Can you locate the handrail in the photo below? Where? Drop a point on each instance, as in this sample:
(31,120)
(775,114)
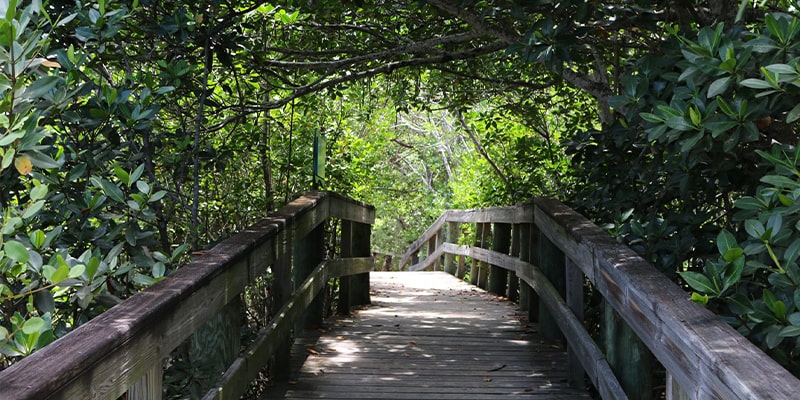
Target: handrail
(104,357)
(702,354)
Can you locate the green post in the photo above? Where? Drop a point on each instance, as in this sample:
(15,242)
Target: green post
(282,292)
(529,251)
(551,262)
(629,358)
(359,284)
(346,243)
(308,254)
(453,231)
(501,242)
(513,281)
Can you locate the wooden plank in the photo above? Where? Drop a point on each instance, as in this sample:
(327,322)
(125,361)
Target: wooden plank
(359,283)
(308,253)
(236,379)
(590,356)
(104,357)
(501,242)
(351,210)
(690,341)
(453,233)
(429,335)
(346,244)
(414,248)
(551,263)
(339,267)
(513,281)
(575,302)
(150,387)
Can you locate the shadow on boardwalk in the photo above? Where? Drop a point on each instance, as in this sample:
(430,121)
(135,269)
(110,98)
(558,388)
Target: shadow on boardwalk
(428,335)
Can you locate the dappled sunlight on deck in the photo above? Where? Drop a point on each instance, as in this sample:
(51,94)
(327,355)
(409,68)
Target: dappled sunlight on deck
(428,335)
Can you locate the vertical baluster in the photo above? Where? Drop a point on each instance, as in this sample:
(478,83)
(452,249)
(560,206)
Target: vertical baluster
(346,245)
(453,232)
(501,242)
(359,284)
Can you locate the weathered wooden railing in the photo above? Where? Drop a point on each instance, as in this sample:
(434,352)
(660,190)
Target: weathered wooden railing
(553,250)
(121,351)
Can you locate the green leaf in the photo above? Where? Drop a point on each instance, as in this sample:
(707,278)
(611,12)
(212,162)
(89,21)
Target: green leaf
(781,69)
(790,331)
(750,203)
(143,186)
(33,326)
(756,84)
(38,192)
(42,160)
(780,181)
(77,271)
(754,228)
(60,273)
(37,238)
(41,86)
(121,174)
(16,251)
(651,118)
(112,191)
(137,173)
(157,196)
(733,254)
(725,242)
(698,298)
(8,158)
(159,269)
(794,318)
(91,267)
(794,114)
(698,282)
(679,123)
(718,87)
(33,209)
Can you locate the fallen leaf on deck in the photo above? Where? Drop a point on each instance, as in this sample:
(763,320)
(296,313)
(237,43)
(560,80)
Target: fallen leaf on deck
(487,378)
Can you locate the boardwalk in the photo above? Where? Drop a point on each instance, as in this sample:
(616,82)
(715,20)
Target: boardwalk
(429,336)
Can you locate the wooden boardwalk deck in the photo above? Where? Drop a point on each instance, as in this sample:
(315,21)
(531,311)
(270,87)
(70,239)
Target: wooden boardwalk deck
(428,335)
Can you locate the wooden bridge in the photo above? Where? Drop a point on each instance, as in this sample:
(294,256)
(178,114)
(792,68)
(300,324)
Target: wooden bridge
(425,335)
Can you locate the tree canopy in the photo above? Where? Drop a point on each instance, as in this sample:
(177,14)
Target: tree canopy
(133,133)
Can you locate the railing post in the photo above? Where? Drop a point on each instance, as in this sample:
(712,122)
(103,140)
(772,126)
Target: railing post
(346,243)
(528,298)
(359,284)
(674,390)
(574,300)
(214,346)
(150,387)
(501,242)
(629,358)
(453,231)
(281,293)
(551,262)
(462,267)
(308,253)
(478,272)
(432,249)
(513,281)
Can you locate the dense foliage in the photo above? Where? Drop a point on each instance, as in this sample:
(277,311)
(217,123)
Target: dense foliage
(133,133)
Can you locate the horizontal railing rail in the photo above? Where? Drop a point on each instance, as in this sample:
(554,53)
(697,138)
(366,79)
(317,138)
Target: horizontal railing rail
(105,357)
(553,250)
